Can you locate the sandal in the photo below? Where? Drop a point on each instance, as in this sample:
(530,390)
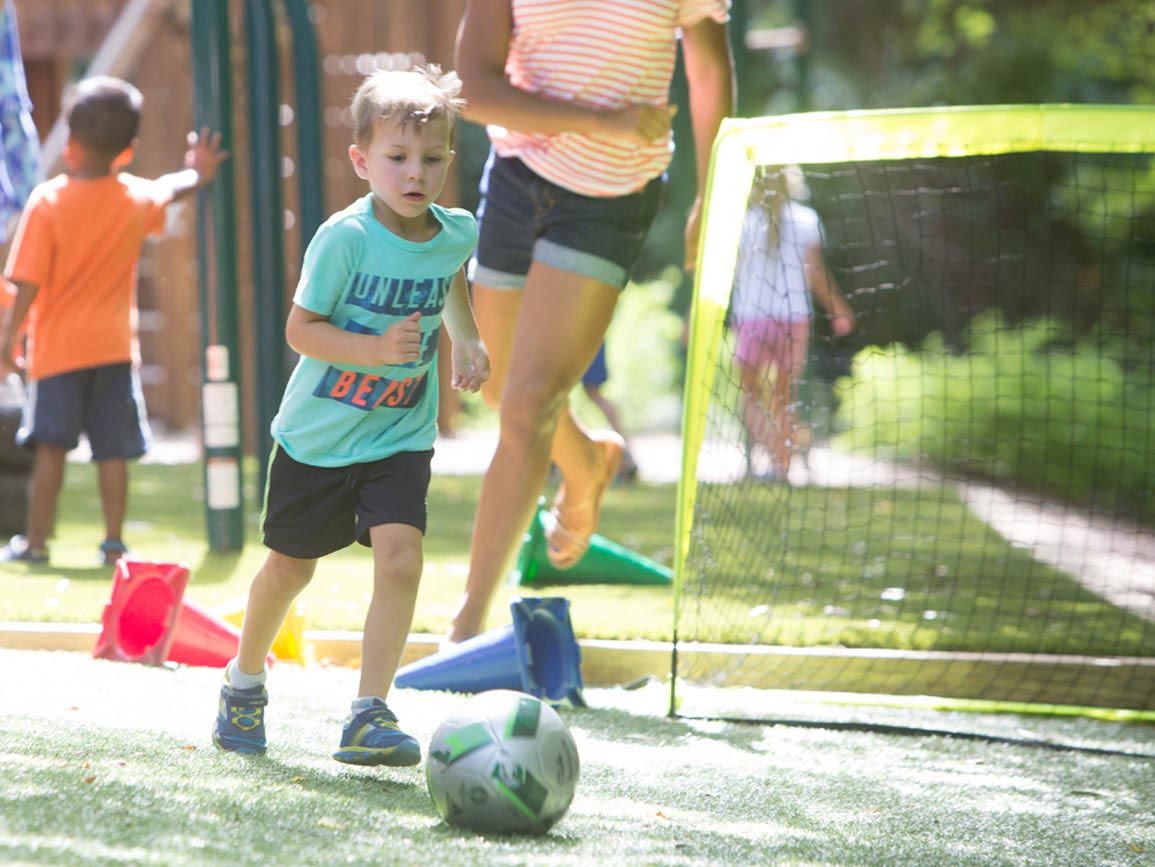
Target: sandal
(18,551)
(112,550)
(567,535)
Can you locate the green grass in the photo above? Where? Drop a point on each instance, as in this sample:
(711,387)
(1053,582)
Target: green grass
(112,765)
(167,524)
(901,569)
(846,549)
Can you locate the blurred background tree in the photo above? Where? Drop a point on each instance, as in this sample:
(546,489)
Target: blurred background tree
(816,55)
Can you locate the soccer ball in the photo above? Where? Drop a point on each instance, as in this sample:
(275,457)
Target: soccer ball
(502,762)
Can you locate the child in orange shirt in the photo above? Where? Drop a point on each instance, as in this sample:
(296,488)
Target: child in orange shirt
(73,262)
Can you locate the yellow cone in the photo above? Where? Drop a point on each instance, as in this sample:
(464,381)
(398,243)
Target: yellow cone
(289,644)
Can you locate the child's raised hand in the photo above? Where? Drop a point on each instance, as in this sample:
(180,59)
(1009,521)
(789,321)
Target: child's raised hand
(204,154)
(470,365)
(842,324)
(401,342)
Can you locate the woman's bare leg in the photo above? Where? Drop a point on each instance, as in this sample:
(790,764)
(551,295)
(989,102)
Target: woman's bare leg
(497,312)
(543,363)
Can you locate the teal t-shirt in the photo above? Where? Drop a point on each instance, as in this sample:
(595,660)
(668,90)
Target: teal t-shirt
(363,278)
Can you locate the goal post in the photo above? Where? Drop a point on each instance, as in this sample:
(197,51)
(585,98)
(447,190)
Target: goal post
(931,140)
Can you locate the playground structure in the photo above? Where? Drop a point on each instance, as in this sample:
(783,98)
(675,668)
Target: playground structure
(264,45)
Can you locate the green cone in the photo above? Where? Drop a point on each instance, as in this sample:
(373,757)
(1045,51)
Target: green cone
(605,562)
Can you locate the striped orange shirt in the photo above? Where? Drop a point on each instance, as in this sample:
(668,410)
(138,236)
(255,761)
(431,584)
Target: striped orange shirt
(599,54)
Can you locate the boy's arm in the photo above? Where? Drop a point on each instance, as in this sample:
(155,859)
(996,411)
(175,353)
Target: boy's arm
(13,318)
(201,161)
(821,282)
(710,74)
(482,49)
(312,334)
(470,358)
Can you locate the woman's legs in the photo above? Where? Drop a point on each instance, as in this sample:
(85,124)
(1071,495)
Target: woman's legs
(561,320)
(497,312)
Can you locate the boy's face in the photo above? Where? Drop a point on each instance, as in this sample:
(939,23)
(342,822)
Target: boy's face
(406,165)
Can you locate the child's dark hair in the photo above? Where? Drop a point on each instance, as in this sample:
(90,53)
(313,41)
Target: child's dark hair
(415,96)
(103,114)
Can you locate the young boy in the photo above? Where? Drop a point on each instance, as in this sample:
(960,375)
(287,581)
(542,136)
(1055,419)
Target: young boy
(73,262)
(355,431)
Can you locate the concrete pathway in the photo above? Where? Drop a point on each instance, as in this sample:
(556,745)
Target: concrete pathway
(1111,557)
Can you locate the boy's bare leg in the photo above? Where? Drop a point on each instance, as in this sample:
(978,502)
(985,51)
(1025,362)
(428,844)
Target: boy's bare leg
(544,362)
(113,480)
(397,565)
(44,492)
(273,590)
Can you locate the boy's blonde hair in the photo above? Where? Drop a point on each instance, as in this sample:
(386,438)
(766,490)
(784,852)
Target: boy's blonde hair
(415,96)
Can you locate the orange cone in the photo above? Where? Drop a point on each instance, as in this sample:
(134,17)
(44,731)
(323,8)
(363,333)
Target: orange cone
(201,638)
(289,644)
(137,624)
(147,620)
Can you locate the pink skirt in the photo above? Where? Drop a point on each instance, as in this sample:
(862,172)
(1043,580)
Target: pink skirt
(766,342)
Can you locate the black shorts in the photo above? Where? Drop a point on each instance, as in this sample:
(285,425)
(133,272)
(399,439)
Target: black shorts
(104,403)
(313,511)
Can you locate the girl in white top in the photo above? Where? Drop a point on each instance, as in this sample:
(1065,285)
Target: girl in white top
(780,264)
(574,93)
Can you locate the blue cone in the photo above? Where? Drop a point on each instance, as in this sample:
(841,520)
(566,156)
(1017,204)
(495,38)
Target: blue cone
(536,654)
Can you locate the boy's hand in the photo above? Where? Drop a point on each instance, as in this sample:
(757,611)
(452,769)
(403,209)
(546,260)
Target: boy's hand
(401,342)
(204,154)
(470,365)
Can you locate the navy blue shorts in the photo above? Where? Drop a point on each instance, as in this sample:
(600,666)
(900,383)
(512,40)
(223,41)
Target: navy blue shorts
(105,403)
(313,511)
(525,218)
(598,373)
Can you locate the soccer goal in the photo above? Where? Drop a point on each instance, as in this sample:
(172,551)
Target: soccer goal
(947,489)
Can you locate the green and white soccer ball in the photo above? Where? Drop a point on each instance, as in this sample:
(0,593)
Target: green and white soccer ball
(502,762)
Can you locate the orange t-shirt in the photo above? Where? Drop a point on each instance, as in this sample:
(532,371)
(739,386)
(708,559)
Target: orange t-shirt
(79,241)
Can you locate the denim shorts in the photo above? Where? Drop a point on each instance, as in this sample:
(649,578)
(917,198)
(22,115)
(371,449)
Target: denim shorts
(104,403)
(525,218)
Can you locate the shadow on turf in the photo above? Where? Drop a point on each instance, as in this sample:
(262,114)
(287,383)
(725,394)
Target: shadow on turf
(662,731)
(404,793)
(745,733)
(72,573)
(216,567)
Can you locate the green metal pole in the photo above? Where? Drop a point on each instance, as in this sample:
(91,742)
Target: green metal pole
(217,276)
(310,122)
(804,15)
(739,24)
(267,221)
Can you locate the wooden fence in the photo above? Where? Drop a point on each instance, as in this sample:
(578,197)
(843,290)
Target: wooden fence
(354,37)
